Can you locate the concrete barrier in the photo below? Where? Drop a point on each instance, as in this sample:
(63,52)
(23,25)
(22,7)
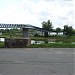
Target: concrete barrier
(17,43)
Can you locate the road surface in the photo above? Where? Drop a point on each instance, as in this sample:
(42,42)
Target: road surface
(37,61)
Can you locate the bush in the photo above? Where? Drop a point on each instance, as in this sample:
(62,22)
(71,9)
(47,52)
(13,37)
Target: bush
(46,41)
(36,35)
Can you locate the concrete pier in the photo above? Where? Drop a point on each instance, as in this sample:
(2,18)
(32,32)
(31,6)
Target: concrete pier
(26,32)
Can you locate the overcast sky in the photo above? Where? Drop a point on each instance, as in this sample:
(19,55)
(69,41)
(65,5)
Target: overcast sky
(34,12)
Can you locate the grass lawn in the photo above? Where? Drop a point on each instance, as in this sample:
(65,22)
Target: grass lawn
(1,44)
(66,42)
(50,45)
(53,45)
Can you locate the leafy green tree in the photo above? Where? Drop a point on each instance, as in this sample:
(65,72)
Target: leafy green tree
(73,31)
(58,30)
(47,26)
(68,30)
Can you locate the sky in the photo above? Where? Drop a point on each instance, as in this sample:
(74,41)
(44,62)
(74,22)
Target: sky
(34,12)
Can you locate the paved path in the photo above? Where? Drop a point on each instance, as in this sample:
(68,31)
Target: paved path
(37,61)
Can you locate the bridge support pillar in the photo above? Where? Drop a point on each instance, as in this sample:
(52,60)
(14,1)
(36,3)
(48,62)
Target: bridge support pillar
(26,32)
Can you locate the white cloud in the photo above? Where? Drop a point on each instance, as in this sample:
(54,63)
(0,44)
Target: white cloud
(33,12)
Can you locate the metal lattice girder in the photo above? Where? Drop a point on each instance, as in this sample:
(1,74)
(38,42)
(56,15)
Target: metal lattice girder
(13,26)
(22,26)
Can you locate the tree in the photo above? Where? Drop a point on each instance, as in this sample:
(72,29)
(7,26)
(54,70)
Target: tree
(47,26)
(58,30)
(68,30)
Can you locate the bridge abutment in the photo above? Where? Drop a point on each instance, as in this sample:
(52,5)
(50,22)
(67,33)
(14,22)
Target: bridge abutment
(19,43)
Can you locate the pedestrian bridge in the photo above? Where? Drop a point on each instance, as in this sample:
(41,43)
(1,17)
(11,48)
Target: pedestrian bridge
(21,26)
(25,28)
(15,25)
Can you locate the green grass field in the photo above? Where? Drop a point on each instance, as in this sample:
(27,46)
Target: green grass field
(50,45)
(53,45)
(61,42)
(1,44)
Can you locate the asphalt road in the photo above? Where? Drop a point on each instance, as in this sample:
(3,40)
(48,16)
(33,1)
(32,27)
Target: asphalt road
(37,61)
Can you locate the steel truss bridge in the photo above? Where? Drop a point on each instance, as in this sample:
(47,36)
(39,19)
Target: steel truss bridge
(25,28)
(22,26)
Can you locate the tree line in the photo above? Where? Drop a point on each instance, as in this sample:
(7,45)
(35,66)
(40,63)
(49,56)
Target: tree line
(67,30)
(11,32)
